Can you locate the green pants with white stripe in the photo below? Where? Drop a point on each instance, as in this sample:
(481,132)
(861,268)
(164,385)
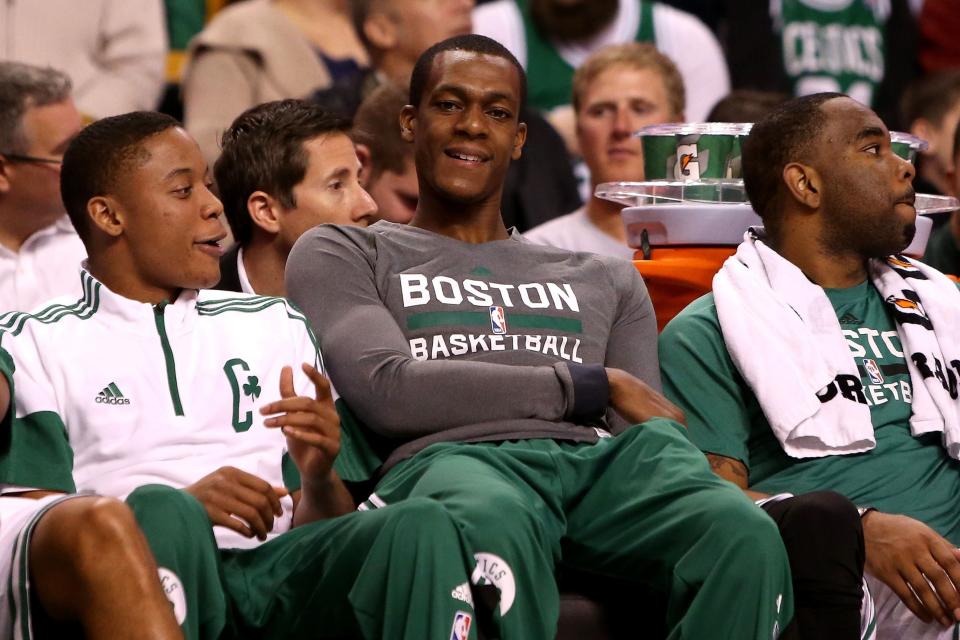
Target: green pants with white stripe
(644,506)
(394,573)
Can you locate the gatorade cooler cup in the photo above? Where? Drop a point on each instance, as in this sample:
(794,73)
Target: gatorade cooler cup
(692,151)
(907,146)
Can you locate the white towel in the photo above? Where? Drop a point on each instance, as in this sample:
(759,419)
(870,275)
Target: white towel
(785,339)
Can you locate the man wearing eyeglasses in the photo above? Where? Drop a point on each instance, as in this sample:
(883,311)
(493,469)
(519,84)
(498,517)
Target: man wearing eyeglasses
(40,252)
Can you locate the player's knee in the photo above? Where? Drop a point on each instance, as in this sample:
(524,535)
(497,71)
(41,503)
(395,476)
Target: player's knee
(172,509)
(745,528)
(822,533)
(104,527)
(822,515)
(423,517)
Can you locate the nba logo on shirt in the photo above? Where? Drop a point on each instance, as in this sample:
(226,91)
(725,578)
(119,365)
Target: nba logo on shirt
(873,370)
(461,626)
(498,320)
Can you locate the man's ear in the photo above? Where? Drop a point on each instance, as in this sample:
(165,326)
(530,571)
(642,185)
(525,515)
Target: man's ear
(380,31)
(951,176)
(924,129)
(408,122)
(265,211)
(5,183)
(366,163)
(105,214)
(518,141)
(803,184)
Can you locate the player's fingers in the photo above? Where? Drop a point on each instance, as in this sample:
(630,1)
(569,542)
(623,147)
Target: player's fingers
(310,421)
(286,383)
(899,586)
(320,382)
(921,588)
(249,515)
(263,488)
(221,518)
(947,570)
(296,403)
(267,504)
(947,557)
(328,445)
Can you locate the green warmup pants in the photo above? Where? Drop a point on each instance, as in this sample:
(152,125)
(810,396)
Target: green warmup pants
(397,573)
(644,506)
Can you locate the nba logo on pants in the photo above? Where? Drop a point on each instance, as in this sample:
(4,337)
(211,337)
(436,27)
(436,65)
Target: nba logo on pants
(461,626)
(498,320)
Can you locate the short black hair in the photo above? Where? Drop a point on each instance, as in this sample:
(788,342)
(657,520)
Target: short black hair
(263,151)
(473,43)
(100,154)
(785,135)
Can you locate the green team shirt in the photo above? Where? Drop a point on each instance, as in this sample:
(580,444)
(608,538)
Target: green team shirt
(902,474)
(833,45)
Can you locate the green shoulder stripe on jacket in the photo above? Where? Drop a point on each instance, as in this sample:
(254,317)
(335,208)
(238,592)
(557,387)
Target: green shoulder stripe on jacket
(14,321)
(255,305)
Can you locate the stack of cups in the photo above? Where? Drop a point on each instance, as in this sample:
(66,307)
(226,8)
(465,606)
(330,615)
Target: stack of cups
(691,211)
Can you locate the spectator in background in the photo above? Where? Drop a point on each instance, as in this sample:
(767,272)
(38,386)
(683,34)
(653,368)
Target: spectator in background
(746,105)
(931,110)
(864,48)
(40,252)
(943,248)
(616,91)
(551,38)
(113,51)
(541,184)
(388,175)
(185,19)
(261,50)
(286,166)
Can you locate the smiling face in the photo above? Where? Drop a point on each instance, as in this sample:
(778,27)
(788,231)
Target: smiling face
(615,104)
(466,129)
(330,190)
(169,219)
(867,195)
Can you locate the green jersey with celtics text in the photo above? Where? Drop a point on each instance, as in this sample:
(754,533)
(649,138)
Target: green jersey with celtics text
(833,45)
(902,474)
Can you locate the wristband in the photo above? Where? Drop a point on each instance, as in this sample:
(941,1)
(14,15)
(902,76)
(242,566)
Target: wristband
(865,510)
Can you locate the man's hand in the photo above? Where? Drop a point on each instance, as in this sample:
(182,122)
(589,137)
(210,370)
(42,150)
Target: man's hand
(905,554)
(636,402)
(311,425)
(239,501)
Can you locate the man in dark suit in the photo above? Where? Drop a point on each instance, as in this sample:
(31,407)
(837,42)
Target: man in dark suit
(286,166)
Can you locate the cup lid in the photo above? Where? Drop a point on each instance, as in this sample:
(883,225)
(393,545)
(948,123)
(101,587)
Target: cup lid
(703,128)
(656,192)
(722,191)
(905,138)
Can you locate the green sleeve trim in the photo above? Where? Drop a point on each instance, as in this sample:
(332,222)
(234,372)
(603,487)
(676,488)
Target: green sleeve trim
(291,475)
(34,449)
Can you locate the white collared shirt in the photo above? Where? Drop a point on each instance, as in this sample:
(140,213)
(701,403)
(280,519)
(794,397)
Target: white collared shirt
(47,266)
(245,285)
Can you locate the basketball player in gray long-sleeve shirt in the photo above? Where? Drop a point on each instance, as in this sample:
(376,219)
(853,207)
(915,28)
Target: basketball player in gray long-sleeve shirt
(487,374)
